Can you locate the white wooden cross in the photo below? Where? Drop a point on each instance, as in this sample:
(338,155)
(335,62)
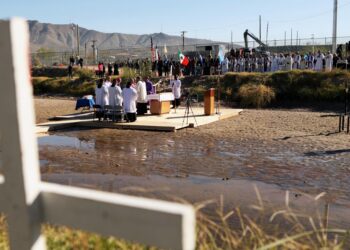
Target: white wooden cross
(28,202)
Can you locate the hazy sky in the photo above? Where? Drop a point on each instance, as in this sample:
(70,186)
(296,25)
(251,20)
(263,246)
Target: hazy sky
(201,18)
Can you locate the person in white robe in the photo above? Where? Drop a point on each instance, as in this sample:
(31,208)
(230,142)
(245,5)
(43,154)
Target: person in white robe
(101,93)
(115,93)
(303,62)
(329,61)
(176,87)
(129,99)
(141,96)
(281,62)
(289,62)
(274,63)
(224,65)
(241,64)
(108,82)
(319,61)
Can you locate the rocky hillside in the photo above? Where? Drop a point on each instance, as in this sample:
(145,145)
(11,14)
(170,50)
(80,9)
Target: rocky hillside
(63,38)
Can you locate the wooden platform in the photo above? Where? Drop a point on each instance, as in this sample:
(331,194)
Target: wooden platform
(171,122)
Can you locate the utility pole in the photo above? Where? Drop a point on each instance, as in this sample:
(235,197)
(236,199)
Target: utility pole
(94,49)
(335,22)
(298,38)
(78,40)
(183,39)
(73,34)
(260,27)
(85,51)
(267,32)
(285,38)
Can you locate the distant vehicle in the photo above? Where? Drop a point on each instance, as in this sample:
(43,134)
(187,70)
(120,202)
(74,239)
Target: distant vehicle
(262,49)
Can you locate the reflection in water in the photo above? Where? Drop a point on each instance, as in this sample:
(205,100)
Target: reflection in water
(198,189)
(137,153)
(65,141)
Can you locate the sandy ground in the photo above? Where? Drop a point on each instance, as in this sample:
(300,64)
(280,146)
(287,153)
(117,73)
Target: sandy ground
(294,150)
(50,107)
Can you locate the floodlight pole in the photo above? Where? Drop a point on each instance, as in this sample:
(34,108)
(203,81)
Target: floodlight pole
(335,20)
(260,27)
(183,39)
(78,40)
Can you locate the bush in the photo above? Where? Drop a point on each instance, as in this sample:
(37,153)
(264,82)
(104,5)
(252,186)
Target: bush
(256,96)
(85,74)
(62,86)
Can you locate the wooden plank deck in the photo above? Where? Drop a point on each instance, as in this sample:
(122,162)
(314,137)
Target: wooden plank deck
(171,122)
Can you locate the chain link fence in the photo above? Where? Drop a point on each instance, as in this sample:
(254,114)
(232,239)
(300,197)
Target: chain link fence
(122,54)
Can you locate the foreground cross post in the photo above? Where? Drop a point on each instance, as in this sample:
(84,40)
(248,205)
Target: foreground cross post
(28,203)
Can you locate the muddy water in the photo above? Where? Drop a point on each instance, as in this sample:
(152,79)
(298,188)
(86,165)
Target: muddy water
(198,167)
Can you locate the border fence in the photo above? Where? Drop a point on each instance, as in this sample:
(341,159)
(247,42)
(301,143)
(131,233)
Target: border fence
(51,58)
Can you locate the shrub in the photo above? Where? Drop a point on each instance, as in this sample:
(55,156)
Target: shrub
(85,74)
(256,96)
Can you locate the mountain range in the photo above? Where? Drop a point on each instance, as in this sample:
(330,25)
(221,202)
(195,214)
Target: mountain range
(63,37)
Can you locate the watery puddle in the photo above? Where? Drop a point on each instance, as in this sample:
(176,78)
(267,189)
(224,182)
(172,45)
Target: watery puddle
(194,167)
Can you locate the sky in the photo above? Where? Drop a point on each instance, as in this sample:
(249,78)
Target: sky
(200,18)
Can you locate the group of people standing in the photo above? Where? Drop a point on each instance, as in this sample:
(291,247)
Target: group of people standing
(133,97)
(112,69)
(288,61)
(262,63)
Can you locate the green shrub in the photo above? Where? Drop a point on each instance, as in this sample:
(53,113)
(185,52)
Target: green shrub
(85,74)
(256,96)
(62,86)
(128,73)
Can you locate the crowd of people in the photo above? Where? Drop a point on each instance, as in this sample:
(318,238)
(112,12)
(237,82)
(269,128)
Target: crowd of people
(133,97)
(277,62)
(232,62)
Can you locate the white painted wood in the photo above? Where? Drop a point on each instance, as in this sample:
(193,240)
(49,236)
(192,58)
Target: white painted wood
(19,147)
(28,202)
(152,222)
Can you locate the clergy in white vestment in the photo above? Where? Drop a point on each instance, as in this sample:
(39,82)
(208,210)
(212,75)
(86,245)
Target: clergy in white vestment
(101,93)
(274,63)
(319,61)
(129,99)
(329,61)
(115,93)
(176,86)
(108,83)
(289,62)
(224,65)
(281,62)
(141,96)
(297,61)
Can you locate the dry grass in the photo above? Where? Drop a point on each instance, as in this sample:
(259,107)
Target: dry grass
(283,229)
(3,234)
(256,96)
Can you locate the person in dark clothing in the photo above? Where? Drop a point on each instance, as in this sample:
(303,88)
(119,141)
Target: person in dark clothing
(160,68)
(70,71)
(81,62)
(71,60)
(110,70)
(116,69)
(103,69)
